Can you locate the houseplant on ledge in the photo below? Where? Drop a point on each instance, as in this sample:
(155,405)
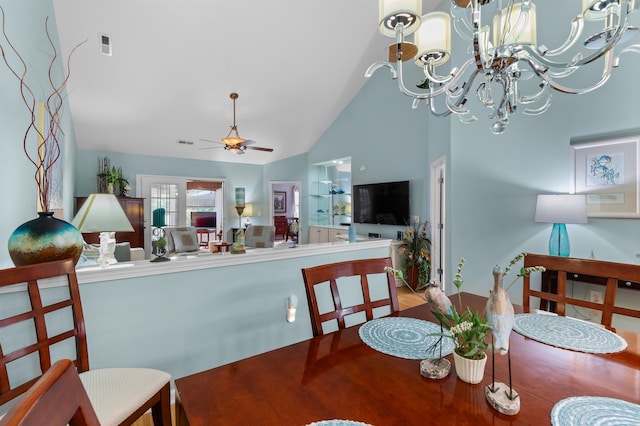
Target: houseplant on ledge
(45,238)
(416,257)
(469,330)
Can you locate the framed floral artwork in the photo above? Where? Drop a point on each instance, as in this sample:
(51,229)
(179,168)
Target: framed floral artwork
(607,173)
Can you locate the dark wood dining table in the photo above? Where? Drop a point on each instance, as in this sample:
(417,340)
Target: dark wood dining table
(337,376)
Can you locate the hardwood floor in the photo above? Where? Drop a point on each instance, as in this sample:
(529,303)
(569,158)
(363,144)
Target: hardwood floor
(406,300)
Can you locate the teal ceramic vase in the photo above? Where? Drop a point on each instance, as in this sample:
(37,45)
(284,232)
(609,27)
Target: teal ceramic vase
(44,239)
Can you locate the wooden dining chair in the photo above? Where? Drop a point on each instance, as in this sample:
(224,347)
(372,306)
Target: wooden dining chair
(41,320)
(58,398)
(348,293)
(553,295)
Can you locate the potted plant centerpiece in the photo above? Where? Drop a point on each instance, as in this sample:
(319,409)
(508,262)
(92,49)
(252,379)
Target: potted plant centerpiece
(468,329)
(45,238)
(416,256)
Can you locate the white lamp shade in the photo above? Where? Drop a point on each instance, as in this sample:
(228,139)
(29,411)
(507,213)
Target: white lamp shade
(101,213)
(248,210)
(521,26)
(434,38)
(390,9)
(561,209)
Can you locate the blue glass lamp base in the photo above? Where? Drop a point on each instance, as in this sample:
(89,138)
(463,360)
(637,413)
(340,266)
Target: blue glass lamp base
(559,240)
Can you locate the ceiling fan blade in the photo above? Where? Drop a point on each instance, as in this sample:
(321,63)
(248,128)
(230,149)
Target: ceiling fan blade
(259,148)
(248,142)
(211,147)
(207,140)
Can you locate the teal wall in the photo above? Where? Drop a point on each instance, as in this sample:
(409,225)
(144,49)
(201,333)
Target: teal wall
(492,181)
(25,28)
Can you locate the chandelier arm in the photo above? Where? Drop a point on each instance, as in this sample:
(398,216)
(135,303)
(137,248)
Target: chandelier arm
(540,110)
(579,61)
(461,23)
(435,113)
(606,73)
(529,99)
(436,78)
(563,73)
(634,48)
(376,65)
(577,26)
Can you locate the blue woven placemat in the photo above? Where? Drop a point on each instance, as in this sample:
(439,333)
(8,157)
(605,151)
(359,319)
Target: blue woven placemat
(568,333)
(594,410)
(405,337)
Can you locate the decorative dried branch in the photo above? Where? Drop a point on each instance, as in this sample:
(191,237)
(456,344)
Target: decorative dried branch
(49,138)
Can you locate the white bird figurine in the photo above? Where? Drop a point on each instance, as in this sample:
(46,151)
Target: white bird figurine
(438,302)
(500,315)
(437,298)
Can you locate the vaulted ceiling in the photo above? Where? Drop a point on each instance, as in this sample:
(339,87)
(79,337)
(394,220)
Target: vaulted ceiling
(295,64)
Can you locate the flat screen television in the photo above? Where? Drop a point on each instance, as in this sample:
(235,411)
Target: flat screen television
(381,203)
(203,219)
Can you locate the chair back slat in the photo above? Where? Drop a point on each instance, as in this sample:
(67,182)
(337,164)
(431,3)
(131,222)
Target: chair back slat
(36,318)
(331,273)
(56,398)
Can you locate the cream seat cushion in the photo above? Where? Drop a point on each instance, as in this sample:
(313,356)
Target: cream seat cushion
(116,393)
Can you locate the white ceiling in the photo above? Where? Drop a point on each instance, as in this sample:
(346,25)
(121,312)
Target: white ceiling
(295,64)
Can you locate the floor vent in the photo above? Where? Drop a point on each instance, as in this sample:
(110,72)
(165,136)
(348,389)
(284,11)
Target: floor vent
(105,44)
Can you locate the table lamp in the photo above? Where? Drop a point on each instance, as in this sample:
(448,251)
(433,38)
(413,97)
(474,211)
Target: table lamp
(158,222)
(240,205)
(247,212)
(102,213)
(559,210)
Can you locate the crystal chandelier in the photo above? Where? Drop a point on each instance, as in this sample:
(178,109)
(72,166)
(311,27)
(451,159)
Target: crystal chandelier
(507,68)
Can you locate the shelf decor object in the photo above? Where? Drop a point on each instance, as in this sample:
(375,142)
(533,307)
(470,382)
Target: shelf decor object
(45,238)
(505,66)
(559,210)
(158,222)
(103,213)
(240,204)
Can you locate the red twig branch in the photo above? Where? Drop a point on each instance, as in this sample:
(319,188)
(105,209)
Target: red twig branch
(49,137)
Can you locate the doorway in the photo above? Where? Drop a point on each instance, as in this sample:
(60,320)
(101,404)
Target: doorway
(177,197)
(285,209)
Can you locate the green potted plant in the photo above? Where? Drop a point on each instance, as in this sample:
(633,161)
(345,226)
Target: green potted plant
(469,330)
(416,255)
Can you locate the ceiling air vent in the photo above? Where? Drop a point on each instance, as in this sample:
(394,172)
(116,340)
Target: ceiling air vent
(105,44)
(181,142)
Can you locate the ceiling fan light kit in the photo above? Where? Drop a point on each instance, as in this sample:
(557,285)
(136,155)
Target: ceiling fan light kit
(233,142)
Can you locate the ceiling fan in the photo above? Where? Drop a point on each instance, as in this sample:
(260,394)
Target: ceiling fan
(235,143)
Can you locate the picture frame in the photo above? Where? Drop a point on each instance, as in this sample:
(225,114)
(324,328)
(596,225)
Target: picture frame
(607,173)
(279,202)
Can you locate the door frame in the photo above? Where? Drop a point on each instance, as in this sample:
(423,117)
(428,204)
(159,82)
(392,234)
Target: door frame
(437,213)
(297,183)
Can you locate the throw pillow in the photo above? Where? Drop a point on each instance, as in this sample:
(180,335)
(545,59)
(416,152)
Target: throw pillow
(185,241)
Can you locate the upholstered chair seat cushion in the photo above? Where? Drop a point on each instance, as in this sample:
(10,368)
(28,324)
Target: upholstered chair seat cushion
(116,393)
